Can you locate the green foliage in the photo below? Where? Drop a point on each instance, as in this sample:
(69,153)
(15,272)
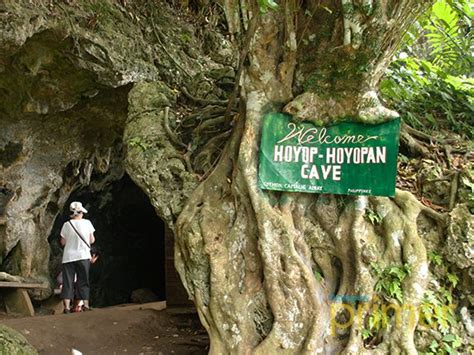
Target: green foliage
(186,37)
(443,36)
(450,43)
(435,258)
(437,310)
(137,142)
(449,344)
(366,334)
(373,217)
(428,83)
(390,280)
(378,320)
(427,97)
(441,318)
(453,279)
(438,313)
(266,5)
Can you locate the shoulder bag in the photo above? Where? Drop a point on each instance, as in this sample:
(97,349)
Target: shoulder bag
(79,234)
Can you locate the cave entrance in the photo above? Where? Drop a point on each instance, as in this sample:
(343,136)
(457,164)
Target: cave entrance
(135,248)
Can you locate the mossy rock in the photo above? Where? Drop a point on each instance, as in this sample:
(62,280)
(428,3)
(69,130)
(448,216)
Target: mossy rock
(13,343)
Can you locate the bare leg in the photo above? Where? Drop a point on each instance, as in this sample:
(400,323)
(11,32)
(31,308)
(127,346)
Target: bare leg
(67,303)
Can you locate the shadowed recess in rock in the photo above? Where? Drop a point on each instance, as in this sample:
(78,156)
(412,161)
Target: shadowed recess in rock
(129,239)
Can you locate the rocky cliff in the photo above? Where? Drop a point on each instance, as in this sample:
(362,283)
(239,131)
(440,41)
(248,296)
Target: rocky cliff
(73,77)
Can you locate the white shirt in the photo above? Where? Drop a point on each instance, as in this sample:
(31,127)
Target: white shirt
(75,249)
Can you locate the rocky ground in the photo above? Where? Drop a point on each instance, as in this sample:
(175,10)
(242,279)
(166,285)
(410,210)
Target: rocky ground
(115,330)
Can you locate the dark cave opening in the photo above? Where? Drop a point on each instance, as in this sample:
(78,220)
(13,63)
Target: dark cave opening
(130,239)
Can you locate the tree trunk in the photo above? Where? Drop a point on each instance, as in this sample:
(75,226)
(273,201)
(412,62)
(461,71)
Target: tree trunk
(251,258)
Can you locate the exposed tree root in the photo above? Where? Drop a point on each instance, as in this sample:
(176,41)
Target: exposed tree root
(293,231)
(420,135)
(203,102)
(166,123)
(413,147)
(453,190)
(265,268)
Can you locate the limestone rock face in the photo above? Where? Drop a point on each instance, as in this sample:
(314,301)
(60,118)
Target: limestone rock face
(52,158)
(460,239)
(74,78)
(151,158)
(63,104)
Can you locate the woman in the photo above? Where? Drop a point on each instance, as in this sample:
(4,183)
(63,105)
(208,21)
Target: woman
(77,235)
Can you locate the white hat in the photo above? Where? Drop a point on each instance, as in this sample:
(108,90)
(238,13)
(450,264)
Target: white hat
(77,207)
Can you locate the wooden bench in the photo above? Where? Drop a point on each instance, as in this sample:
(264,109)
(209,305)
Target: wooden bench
(16,297)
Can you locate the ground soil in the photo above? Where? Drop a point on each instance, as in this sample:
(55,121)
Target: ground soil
(127,329)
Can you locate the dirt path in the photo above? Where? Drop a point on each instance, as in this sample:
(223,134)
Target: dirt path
(115,330)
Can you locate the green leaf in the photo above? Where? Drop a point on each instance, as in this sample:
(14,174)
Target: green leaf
(366,334)
(318,276)
(448,349)
(457,342)
(373,217)
(431,91)
(398,295)
(453,279)
(267,4)
(449,337)
(434,346)
(435,258)
(137,142)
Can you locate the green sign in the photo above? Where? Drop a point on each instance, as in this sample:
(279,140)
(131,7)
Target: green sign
(346,158)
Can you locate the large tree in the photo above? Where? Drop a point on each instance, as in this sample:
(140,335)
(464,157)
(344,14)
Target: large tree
(251,259)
